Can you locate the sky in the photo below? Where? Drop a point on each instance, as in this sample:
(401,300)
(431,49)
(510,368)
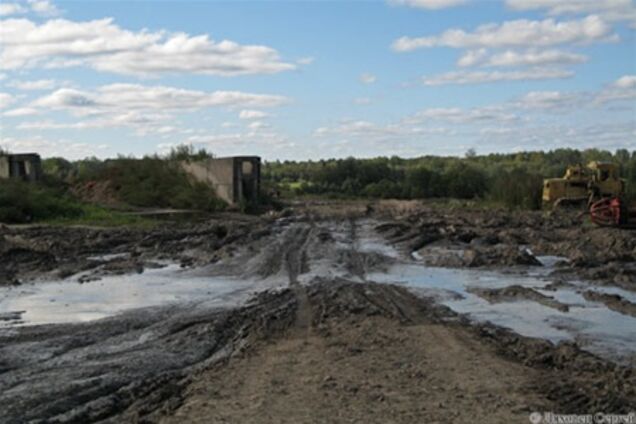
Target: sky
(297,80)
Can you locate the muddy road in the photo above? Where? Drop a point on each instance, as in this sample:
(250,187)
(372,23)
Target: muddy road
(391,312)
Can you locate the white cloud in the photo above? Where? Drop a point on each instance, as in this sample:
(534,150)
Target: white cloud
(611,10)
(472,57)
(305,60)
(626,81)
(5,100)
(118,97)
(104,46)
(608,136)
(44,84)
(257,125)
(530,57)
(21,111)
(11,9)
(368,130)
(362,101)
(146,109)
(240,143)
(252,114)
(518,33)
(48,147)
(462,116)
(622,89)
(44,7)
(496,131)
(367,78)
(428,4)
(548,100)
(481,77)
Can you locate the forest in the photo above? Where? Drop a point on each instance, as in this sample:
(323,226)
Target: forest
(512,180)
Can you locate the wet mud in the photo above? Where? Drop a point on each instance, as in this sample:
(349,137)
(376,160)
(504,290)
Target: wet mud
(516,292)
(351,314)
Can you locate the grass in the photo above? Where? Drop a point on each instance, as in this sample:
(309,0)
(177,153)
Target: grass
(97,216)
(48,202)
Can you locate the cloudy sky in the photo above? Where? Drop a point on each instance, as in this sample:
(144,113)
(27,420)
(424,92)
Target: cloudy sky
(316,79)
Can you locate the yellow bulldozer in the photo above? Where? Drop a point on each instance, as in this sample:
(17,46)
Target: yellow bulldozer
(596,186)
(583,185)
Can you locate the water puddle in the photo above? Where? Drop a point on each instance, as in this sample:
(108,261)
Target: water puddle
(591,324)
(594,326)
(69,301)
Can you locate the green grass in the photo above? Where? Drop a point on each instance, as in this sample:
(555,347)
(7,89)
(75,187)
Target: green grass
(97,216)
(24,203)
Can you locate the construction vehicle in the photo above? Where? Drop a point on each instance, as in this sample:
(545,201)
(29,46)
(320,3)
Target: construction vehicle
(596,186)
(584,185)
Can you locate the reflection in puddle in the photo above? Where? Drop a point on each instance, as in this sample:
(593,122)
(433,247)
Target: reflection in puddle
(69,301)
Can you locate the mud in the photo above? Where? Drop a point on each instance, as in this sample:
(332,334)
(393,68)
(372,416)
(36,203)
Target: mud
(613,301)
(473,237)
(152,365)
(326,336)
(515,292)
(31,252)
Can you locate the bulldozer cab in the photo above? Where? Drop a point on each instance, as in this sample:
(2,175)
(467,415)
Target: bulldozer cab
(603,171)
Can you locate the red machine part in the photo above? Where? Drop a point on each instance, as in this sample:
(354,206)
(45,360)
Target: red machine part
(612,212)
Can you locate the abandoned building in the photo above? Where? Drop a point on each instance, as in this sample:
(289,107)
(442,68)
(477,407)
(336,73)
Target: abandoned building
(26,166)
(234,179)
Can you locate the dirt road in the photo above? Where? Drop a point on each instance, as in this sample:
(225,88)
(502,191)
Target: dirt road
(330,344)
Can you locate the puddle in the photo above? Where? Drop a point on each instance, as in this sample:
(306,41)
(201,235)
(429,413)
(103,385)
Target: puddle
(69,301)
(595,327)
(108,257)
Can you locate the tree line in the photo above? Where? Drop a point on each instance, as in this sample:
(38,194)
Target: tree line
(514,180)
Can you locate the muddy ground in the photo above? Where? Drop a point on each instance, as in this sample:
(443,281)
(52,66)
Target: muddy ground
(331,346)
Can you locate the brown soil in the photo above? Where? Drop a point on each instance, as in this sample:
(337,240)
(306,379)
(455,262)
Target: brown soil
(378,354)
(515,292)
(612,301)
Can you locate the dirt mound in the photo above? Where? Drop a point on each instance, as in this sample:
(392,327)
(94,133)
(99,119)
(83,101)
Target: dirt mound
(98,192)
(612,301)
(515,292)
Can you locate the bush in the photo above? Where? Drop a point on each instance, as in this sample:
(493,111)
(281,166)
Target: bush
(155,182)
(22,202)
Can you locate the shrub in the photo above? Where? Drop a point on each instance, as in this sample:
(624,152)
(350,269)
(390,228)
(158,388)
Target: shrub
(22,202)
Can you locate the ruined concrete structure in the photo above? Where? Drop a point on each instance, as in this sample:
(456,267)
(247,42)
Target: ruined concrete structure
(234,179)
(26,166)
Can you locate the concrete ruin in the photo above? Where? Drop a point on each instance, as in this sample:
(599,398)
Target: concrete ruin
(25,166)
(234,179)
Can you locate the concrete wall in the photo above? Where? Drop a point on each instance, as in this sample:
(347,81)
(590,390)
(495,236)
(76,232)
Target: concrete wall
(4,167)
(232,178)
(25,166)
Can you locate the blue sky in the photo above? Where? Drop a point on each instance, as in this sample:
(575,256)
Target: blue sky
(316,79)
